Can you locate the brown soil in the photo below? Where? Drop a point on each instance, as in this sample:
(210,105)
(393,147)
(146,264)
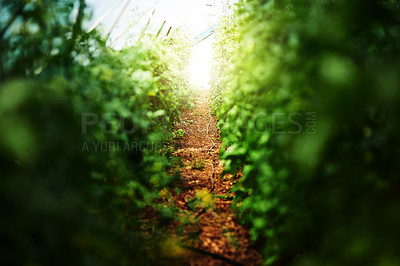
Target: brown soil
(217,237)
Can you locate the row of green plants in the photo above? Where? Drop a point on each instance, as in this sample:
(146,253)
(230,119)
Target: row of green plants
(82,136)
(307,96)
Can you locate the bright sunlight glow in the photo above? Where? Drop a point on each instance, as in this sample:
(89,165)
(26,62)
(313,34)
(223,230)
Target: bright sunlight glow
(193,16)
(200,65)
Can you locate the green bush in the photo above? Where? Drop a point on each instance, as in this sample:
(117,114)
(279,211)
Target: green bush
(81,131)
(307,94)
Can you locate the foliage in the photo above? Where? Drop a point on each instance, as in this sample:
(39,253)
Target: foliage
(198,164)
(178,134)
(80,133)
(307,94)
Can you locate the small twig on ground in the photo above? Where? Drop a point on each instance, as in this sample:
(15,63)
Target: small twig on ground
(209,153)
(213,255)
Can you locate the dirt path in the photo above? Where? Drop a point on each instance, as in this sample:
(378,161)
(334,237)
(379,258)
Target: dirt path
(217,237)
